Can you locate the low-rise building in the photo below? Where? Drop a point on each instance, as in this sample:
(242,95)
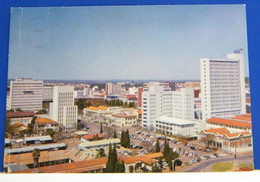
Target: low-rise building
(42,124)
(235,124)
(47,158)
(86,166)
(124,119)
(140,162)
(93,145)
(227,141)
(92,137)
(20,117)
(174,126)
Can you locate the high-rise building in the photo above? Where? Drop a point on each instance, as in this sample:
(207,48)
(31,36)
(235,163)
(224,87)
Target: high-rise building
(47,93)
(63,109)
(159,100)
(112,89)
(222,86)
(139,93)
(26,94)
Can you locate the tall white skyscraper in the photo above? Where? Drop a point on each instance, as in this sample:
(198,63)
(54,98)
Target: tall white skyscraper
(158,100)
(26,94)
(222,86)
(63,109)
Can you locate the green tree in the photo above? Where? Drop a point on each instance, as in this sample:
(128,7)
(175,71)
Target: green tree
(101,128)
(36,155)
(157,146)
(50,132)
(122,138)
(100,153)
(166,150)
(156,168)
(109,167)
(131,169)
(127,139)
(160,162)
(112,160)
(19,110)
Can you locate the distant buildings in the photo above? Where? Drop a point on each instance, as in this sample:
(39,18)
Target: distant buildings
(63,109)
(112,89)
(26,94)
(222,86)
(93,145)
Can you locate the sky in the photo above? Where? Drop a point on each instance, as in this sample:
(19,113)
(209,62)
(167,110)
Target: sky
(123,42)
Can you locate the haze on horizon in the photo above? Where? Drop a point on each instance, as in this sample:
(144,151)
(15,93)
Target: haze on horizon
(123,42)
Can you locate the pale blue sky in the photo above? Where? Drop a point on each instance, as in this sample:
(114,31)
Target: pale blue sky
(122,42)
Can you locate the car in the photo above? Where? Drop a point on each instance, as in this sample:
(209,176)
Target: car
(178,162)
(216,155)
(186,153)
(193,161)
(187,164)
(192,147)
(195,154)
(202,158)
(191,154)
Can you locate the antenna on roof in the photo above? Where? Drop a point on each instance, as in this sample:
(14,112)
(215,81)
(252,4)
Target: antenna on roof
(238,51)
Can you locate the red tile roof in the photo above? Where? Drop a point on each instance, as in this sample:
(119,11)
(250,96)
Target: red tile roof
(44,121)
(230,122)
(75,167)
(91,136)
(245,117)
(225,132)
(19,114)
(148,159)
(104,108)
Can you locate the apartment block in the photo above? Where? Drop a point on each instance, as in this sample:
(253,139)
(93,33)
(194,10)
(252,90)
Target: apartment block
(222,86)
(63,109)
(25,94)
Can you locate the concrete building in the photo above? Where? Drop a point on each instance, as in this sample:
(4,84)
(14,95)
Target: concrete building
(47,93)
(139,96)
(112,89)
(93,145)
(174,126)
(222,86)
(20,117)
(26,94)
(229,142)
(63,109)
(235,124)
(159,100)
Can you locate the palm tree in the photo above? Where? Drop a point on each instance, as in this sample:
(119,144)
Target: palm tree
(36,155)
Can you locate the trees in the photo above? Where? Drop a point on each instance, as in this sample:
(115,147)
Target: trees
(100,153)
(125,139)
(101,128)
(156,168)
(157,146)
(50,132)
(113,165)
(36,155)
(168,154)
(31,126)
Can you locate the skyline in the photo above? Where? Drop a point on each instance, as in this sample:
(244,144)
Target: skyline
(123,42)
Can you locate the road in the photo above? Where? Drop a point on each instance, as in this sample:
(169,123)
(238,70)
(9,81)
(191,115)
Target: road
(203,165)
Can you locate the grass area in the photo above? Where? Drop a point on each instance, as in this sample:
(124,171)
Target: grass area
(251,166)
(222,166)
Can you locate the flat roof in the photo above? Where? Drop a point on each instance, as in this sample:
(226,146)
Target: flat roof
(81,132)
(100,142)
(41,138)
(31,148)
(175,121)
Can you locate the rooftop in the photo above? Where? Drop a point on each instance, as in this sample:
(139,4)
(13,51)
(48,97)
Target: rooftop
(91,136)
(103,108)
(231,122)
(99,142)
(75,167)
(19,114)
(175,121)
(225,132)
(44,121)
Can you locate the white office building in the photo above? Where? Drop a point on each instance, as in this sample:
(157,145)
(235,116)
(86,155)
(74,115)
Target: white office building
(63,109)
(222,86)
(175,126)
(25,94)
(158,100)
(113,89)
(47,93)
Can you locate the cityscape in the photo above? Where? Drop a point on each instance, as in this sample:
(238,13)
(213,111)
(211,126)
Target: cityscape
(119,116)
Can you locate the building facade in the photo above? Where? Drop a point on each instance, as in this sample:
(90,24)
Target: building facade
(159,100)
(47,93)
(222,86)
(26,94)
(63,109)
